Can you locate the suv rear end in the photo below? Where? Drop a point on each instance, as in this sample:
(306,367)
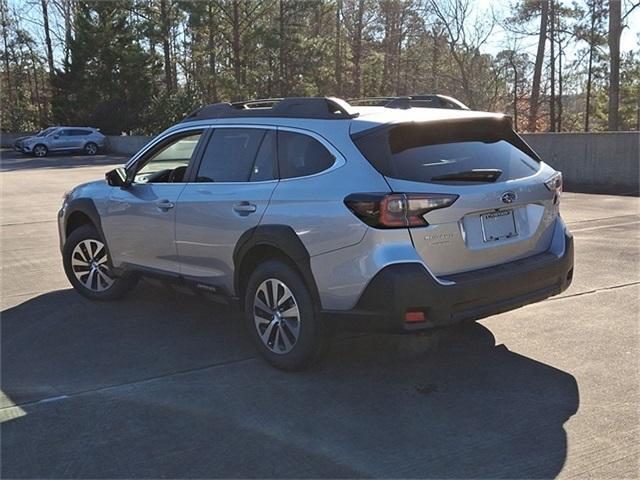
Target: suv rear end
(469,226)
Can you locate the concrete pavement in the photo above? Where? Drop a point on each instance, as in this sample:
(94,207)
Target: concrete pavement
(164,384)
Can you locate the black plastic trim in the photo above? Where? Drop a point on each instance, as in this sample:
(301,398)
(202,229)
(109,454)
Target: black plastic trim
(87,207)
(472,295)
(283,238)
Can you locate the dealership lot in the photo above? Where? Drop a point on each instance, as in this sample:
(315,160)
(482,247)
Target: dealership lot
(164,384)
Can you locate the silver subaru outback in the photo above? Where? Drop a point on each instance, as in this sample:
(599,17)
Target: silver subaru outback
(313,215)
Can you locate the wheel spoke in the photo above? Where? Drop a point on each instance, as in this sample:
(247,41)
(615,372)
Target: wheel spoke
(288,345)
(270,297)
(260,305)
(291,312)
(266,335)
(292,325)
(89,281)
(106,280)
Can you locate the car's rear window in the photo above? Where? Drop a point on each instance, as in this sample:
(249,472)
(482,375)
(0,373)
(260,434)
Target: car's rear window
(428,153)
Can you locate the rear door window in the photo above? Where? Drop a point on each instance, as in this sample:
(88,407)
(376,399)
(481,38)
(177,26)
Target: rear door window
(301,155)
(230,155)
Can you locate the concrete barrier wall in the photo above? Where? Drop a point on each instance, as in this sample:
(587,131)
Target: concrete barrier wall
(606,162)
(126,145)
(7,139)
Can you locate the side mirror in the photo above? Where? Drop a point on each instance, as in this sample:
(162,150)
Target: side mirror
(56,136)
(117,177)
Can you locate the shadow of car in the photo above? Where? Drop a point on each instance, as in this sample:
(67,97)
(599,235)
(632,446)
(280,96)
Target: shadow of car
(165,384)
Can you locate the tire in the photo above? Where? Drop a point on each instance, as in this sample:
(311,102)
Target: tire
(288,342)
(85,260)
(91,148)
(40,150)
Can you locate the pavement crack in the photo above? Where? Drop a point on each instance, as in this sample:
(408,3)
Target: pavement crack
(595,290)
(27,223)
(602,218)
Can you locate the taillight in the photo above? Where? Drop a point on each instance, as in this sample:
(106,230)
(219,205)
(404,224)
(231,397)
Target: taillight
(396,210)
(554,182)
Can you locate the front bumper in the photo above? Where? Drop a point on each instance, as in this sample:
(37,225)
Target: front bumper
(455,298)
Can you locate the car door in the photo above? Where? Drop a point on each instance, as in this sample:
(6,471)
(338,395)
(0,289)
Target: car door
(62,139)
(139,224)
(227,196)
(79,137)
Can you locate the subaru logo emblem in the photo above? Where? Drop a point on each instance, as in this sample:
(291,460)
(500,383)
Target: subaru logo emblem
(508,197)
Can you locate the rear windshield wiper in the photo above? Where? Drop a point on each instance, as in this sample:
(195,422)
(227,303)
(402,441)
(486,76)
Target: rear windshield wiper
(477,175)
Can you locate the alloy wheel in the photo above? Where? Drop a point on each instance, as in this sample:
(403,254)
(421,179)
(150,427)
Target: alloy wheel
(91,149)
(89,265)
(276,316)
(40,151)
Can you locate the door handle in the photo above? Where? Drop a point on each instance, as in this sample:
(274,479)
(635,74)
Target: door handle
(165,205)
(245,207)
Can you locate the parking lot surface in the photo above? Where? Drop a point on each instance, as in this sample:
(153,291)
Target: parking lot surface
(164,384)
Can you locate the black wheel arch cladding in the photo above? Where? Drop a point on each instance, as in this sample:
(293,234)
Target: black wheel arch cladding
(87,207)
(282,238)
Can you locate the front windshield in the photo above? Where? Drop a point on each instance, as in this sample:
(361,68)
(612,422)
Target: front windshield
(46,131)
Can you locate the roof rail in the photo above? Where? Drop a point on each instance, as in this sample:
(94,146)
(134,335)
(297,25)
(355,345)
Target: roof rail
(428,101)
(326,108)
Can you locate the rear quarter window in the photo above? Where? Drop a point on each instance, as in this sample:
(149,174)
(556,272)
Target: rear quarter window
(301,155)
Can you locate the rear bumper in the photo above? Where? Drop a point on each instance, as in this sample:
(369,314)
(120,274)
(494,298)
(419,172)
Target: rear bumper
(456,298)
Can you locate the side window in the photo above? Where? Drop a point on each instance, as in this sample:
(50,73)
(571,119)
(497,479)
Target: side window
(230,155)
(300,155)
(169,162)
(264,168)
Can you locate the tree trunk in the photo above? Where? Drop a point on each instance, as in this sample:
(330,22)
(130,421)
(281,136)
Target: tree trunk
(211,47)
(338,52)
(559,119)
(282,48)
(537,72)
(5,24)
(166,45)
(515,92)
(435,61)
(47,37)
(552,41)
(236,46)
(357,50)
(615,29)
(587,110)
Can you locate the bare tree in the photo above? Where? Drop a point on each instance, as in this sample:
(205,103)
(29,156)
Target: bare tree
(465,40)
(47,37)
(537,71)
(615,30)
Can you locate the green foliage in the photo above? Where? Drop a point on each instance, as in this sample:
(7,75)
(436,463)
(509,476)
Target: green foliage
(140,65)
(109,81)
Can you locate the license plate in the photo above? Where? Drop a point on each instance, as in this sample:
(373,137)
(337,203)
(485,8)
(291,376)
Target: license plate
(498,225)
